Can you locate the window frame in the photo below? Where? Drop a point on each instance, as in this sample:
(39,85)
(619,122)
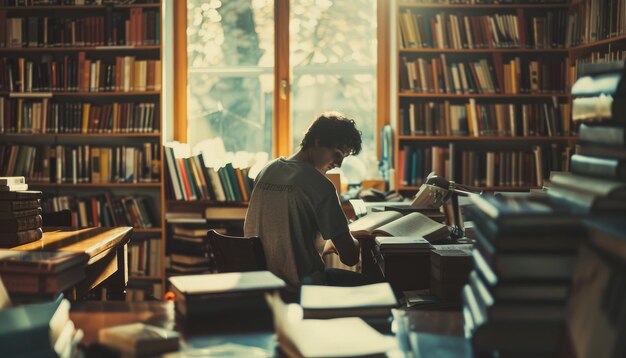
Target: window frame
(281,122)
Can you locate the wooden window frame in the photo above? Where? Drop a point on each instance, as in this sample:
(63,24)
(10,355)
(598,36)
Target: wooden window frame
(282,79)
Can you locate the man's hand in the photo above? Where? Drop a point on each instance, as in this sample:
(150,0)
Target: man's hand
(329,248)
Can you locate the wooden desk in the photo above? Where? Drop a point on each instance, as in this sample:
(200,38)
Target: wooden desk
(91,316)
(107,250)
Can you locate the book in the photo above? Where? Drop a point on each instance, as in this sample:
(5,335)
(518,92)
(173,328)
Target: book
(342,337)
(520,266)
(33,329)
(555,241)
(14,187)
(225,213)
(402,244)
(392,223)
(17,205)
(11,239)
(374,300)
(531,290)
(223,292)
(20,224)
(40,261)
(585,201)
(607,168)
(12,180)
(605,135)
(497,215)
(20,195)
(139,339)
(14,214)
(189,230)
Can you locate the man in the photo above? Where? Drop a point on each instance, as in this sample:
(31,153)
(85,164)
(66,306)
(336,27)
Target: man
(293,202)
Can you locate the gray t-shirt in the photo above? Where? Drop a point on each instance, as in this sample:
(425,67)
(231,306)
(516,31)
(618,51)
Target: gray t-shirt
(291,203)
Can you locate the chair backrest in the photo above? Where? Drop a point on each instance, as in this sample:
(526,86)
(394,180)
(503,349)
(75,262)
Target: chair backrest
(236,254)
(57,218)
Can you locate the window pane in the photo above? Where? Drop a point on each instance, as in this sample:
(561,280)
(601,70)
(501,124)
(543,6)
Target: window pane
(230,49)
(333,55)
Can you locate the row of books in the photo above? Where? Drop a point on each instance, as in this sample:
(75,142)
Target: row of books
(79,74)
(524,260)
(105,210)
(135,27)
(144,258)
(472,119)
(512,168)
(82,163)
(190,179)
(23,3)
(418,29)
(43,116)
(437,75)
(594,20)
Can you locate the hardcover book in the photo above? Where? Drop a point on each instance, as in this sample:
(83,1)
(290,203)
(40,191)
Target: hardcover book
(140,339)
(392,223)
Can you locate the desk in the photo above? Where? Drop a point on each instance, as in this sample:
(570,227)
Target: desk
(107,250)
(90,316)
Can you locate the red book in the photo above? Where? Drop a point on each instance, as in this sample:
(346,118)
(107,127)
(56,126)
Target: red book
(185,178)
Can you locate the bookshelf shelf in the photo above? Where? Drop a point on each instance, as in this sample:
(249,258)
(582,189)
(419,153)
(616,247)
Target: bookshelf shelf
(96,185)
(481,95)
(486,138)
(80,94)
(599,43)
(73,135)
(481,50)
(490,189)
(80,48)
(77,7)
(439,6)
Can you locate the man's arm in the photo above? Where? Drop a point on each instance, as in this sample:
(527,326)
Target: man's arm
(346,246)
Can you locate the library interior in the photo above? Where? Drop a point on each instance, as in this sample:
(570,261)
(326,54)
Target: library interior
(312,178)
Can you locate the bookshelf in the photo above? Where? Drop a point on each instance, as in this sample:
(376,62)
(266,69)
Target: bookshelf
(80,99)
(482,93)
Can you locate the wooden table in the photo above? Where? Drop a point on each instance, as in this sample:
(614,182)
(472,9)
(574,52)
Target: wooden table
(107,250)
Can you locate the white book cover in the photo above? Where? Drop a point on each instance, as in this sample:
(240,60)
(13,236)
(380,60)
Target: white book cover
(227,282)
(330,297)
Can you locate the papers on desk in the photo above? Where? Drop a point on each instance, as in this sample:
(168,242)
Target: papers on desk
(335,298)
(338,337)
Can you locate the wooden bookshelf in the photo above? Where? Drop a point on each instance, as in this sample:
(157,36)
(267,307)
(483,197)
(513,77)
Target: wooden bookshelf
(498,83)
(50,63)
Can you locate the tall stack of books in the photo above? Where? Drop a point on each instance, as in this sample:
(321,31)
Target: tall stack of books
(523,262)
(20,212)
(597,182)
(188,250)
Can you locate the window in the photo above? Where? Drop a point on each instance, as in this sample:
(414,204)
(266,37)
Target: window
(231,83)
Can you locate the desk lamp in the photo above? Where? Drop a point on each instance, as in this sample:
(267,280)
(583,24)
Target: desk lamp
(437,191)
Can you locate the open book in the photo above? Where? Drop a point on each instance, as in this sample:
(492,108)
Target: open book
(392,223)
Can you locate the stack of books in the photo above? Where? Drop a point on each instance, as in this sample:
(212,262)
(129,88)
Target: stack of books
(449,271)
(188,249)
(523,262)
(20,212)
(597,182)
(233,293)
(372,303)
(39,330)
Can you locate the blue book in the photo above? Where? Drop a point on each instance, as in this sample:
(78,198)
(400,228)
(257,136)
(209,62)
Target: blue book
(32,330)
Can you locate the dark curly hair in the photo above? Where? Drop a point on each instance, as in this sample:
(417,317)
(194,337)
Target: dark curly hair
(333,130)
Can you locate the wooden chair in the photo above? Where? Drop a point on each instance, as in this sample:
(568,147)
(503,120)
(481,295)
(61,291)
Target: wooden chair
(57,218)
(236,254)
